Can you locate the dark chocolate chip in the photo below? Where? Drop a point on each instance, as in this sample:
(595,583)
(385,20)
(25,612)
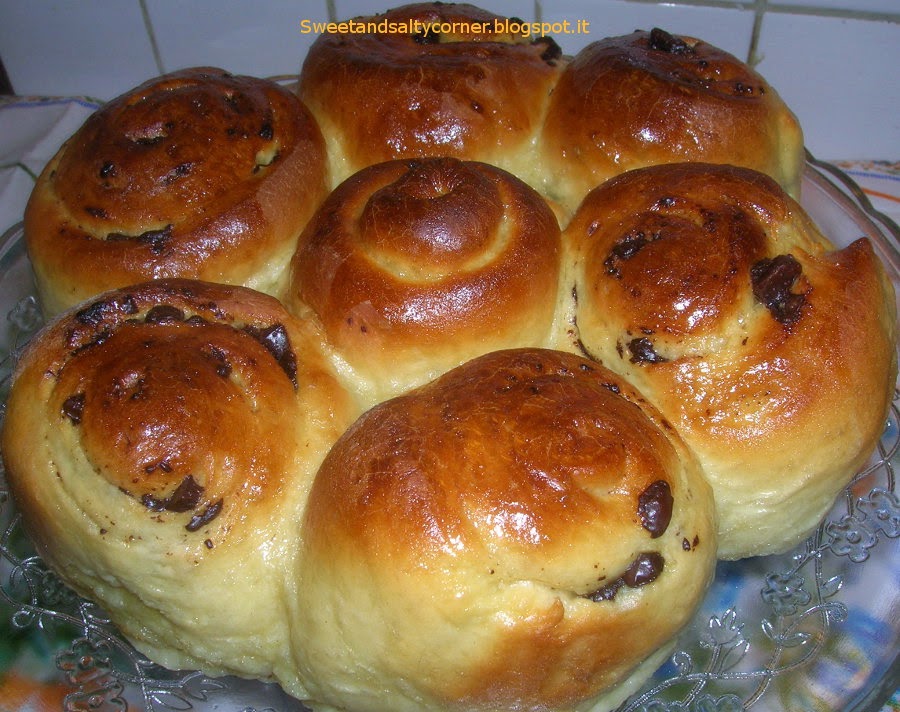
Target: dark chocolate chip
(552,51)
(266,131)
(277,343)
(164,314)
(155,239)
(772,280)
(655,508)
(645,569)
(426,37)
(626,248)
(666,42)
(642,351)
(666,202)
(108,169)
(179,171)
(220,358)
(95,314)
(607,592)
(73,408)
(96,212)
(185,497)
(200,520)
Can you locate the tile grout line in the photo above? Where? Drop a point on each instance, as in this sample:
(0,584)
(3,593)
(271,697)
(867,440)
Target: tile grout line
(151,35)
(759,11)
(870,15)
(785,7)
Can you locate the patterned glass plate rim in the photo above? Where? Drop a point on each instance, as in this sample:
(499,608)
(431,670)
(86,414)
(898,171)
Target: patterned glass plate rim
(816,629)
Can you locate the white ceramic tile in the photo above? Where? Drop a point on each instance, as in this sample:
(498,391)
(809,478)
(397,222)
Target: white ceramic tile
(729,28)
(891,7)
(840,77)
(258,38)
(522,9)
(95,47)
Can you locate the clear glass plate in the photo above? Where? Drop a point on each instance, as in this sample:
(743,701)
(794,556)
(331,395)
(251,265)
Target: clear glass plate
(817,629)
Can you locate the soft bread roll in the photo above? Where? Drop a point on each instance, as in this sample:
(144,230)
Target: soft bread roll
(771,352)
(430,79)
(159,443)
(196,174)
(415,266)
(519,534)
(651,97)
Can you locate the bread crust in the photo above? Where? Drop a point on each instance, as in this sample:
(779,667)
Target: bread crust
(651,97)
(196,174)
(470,92)
(770,351)
(467,545)
(415,266)
(159,444)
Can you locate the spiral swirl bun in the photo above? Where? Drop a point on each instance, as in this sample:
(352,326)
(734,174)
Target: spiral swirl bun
(529,514)
(416,266)
(455,84)
(651,97)
(771,352)
(160,443)
(195,174)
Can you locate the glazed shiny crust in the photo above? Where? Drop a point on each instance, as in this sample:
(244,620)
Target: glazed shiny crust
(651,97)
(195,174)
(771,352)
(526,525)
(414,266)
(330,400)
(159,444)
(475,95)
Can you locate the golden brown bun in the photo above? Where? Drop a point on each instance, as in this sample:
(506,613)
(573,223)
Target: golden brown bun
(414,266)
(476,95)
(517,535)
(159,443)
(651,97)
(195,174)
(772,353)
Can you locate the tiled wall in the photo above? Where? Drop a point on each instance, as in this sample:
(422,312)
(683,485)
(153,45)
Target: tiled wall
(836,62)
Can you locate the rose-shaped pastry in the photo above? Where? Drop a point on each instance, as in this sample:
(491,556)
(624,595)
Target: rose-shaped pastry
(770,351)
(415,266)
(523,533)
(196,174)
(159,444)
